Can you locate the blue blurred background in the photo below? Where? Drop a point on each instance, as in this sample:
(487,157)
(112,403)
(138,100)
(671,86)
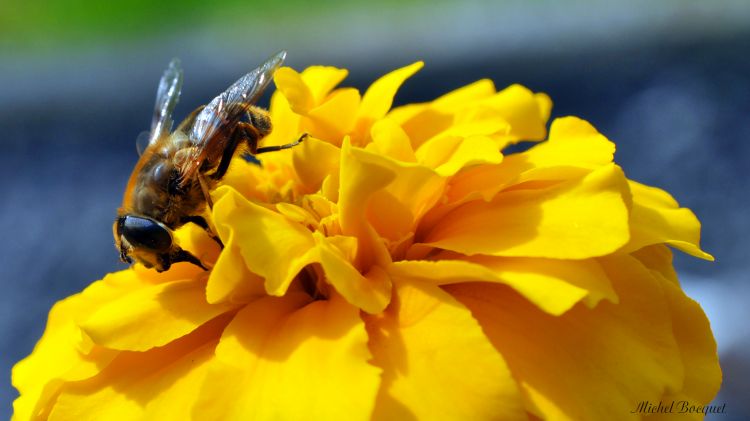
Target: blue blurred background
(668,81)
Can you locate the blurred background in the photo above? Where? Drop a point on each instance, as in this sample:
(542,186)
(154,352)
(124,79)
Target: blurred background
(668,81)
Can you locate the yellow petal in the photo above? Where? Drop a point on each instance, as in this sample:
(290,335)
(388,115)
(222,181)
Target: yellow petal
(389,139)
(322,79)
(587,364)
(573,143)
(464,96)
(575,220)
(389,217)
(379,96)
(697,348)
(286,123)
(423,121)
(544,103)
(152,316)
(162,383)
(196,240)
(548,275)
(330,187)
(282,358)
(437,362)
(246,178)
(437,150)
(362,174)
(520,107)
(472,150)
(471,126)
(63,354)
(396,210)
(555,286)
(371,293)
(230,280)
(657,218)
(335,118)
(658,258)
(313,160)
(296,91)
(272,246)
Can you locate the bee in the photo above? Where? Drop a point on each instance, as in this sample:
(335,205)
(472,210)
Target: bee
(169,186)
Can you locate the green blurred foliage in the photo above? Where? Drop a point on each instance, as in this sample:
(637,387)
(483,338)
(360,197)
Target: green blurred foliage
(34,25)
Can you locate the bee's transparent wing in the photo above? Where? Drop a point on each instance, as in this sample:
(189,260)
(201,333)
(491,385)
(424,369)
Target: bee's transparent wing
(167,96)
(227,108)
(142,142)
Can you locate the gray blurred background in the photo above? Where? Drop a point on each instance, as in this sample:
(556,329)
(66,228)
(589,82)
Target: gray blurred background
(668,81)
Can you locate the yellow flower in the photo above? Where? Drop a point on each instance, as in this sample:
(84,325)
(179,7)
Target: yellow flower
(396,265)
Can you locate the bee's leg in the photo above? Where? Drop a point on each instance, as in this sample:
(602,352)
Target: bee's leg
(201,222)
(226,157)
(247,133)
(205,190)
(281,147)
(177,255)
(197,220)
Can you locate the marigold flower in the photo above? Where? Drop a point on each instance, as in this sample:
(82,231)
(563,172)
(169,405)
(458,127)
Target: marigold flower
(397,265)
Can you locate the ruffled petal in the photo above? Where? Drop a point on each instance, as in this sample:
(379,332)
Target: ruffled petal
(423,121)
(471,151)
(437,363)
(362,174)
(657,218)
(465,96)
(230,280)
(616,355)
(572,142)
(389,139)
(396,209)
(286,123)
(272,246)
(555,286)
(313,160)
(289,358)
(296,91)
(247,179)
(574,148)
(152,316)
(697,348)
(336,117)
(379,97)
(658,258)
(575,220)
(64,353)
(322,79)
(520,107)
(370,292)
(162,383)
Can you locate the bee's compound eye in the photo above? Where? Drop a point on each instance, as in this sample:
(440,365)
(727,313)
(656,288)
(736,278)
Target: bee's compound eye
(160,173)
(145,233)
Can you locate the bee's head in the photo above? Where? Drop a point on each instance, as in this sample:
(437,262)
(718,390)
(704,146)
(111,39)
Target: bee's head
(149,242)
(143,240)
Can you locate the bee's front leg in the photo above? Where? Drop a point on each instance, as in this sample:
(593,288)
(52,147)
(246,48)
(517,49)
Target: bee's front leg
(205,190)
(176,255)
(281,147)
(201,222)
